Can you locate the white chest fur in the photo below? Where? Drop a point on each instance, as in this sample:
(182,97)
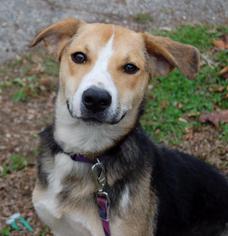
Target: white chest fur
(61,220)
(66,221)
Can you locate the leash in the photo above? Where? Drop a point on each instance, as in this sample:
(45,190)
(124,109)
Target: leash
(101,196)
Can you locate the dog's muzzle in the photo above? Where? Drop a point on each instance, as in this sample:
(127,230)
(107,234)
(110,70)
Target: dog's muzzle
(95,107)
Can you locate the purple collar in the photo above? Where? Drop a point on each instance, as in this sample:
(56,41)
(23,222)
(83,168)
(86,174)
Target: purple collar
(84,159)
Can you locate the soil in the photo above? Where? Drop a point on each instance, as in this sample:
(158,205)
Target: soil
(20,124)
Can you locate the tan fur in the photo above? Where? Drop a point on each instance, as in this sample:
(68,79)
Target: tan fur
(73,192)
(138,220)
(88,39)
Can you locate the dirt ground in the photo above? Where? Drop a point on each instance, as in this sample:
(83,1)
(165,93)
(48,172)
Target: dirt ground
(19,127)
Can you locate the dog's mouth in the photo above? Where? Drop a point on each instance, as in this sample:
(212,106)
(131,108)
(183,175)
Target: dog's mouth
(93,120)
(96,118)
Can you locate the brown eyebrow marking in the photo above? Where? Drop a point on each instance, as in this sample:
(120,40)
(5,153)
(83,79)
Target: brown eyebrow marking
(127,59)
(87,48)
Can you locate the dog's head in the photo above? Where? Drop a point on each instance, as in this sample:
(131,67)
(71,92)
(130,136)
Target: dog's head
(104,68)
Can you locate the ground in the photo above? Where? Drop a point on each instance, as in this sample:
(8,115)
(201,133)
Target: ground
(28,84)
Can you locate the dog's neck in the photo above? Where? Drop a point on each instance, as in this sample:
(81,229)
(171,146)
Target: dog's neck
(76,136)
(128,158)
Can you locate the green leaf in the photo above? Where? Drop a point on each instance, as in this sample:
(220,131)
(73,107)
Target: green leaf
(20,96)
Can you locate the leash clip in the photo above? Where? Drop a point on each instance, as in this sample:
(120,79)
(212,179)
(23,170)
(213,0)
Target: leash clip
(102,197)
(99,175)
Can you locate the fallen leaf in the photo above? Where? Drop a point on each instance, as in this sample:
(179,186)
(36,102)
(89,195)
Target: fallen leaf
(224,72)
(183,120)
(189,134)
(193,114)
(217,88)
(46,82)
(164,104)
(222,42)
(219,44)
(179,105)
(215,117)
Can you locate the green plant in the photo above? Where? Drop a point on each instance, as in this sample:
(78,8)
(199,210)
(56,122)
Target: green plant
(26,87)
(44,231)
(143,17)
(222,58)
(28,76)
(225,132)
(5,231)
(20,96)
(51,67)
(16,162)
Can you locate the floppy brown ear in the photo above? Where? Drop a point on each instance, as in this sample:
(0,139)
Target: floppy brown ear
(167,54)
(57,35)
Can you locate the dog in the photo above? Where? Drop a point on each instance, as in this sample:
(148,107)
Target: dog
(98,172)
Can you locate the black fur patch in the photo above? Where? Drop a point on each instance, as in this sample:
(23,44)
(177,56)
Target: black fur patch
(48,142)
(48,148)
(192,196)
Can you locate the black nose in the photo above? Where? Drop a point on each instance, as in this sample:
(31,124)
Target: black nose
(96,99)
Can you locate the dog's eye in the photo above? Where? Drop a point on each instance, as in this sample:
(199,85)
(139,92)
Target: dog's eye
(78,57)
(130,68)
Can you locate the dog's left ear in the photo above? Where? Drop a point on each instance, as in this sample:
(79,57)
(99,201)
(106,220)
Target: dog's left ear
(167,54)
(56,36)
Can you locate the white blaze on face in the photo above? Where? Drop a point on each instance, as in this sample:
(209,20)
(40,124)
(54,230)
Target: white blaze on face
(100,77)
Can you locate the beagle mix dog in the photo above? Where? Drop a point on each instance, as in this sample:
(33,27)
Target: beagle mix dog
(98,172)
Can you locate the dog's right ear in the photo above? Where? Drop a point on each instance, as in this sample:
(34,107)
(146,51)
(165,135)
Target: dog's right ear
(167,54)
(56,36)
